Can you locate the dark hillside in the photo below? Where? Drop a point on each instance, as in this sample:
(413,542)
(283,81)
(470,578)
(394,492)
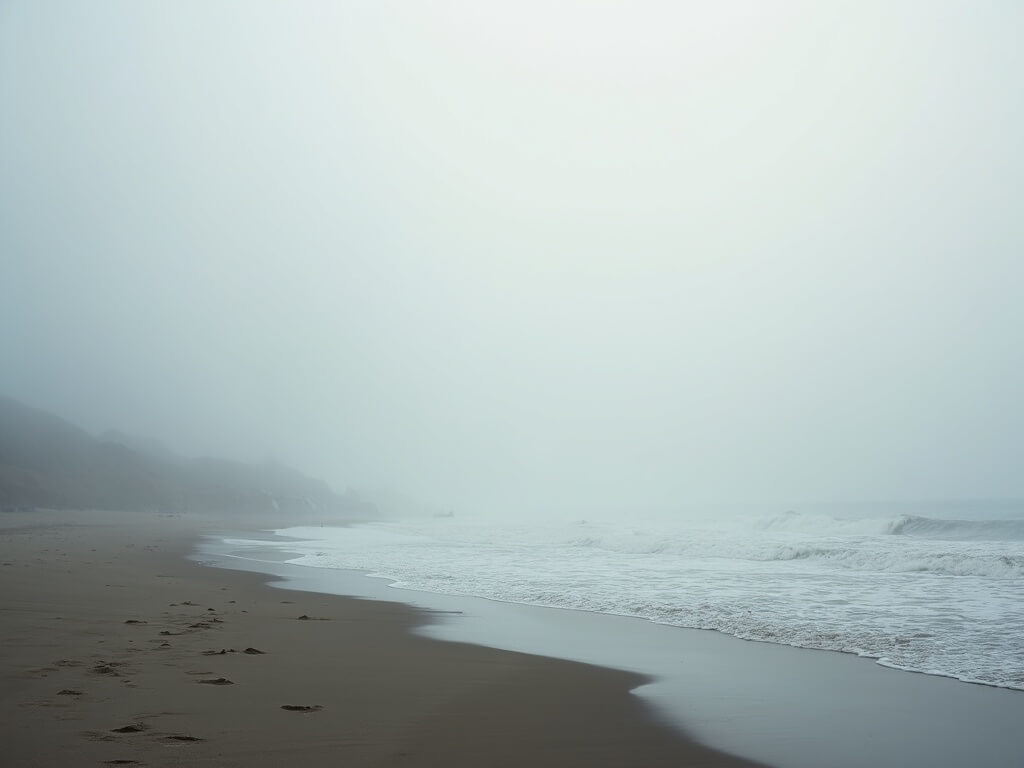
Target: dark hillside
(46,461)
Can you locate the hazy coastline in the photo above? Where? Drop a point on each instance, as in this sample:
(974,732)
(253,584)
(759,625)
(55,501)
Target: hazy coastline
(677,339)
(773,703)
(111,634)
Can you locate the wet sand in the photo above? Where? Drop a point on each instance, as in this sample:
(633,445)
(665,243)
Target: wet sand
(119,651)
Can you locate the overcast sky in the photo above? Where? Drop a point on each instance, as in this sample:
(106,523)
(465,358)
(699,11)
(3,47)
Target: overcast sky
(512,255)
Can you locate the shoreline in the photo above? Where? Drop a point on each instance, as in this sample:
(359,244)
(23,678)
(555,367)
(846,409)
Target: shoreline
(395,584)
(119,648)
(775,703)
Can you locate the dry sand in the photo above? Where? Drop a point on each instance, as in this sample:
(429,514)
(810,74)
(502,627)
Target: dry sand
(118,651)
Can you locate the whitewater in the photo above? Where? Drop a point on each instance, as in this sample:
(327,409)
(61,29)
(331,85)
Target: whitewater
(942,597)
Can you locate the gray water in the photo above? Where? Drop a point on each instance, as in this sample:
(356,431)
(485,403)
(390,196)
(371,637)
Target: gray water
(784,706)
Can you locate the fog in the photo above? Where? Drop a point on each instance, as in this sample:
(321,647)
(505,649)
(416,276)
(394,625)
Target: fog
(527,256)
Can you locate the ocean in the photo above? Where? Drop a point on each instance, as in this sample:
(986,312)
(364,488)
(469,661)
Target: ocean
(925,594)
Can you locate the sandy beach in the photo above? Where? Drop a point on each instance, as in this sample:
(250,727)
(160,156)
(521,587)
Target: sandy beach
(119,651)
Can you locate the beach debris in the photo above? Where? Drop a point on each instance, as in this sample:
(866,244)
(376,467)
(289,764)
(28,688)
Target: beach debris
(69,692)
(121,762)
(301,707)
(253,651)
(134,621)
(304,617)
(199,625)
(216,681)
(221,652)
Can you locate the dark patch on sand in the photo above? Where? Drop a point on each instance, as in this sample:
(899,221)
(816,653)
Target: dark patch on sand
(180,738)
(130,728)
(97,736)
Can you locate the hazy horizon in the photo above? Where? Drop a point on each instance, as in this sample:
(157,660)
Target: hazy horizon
(567,254)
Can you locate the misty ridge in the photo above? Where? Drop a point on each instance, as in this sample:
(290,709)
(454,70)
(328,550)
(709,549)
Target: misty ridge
(47,461)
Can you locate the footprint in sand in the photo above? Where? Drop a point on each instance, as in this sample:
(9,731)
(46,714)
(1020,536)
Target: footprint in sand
(179,738)
(130,728)
(107,668)
(97,736)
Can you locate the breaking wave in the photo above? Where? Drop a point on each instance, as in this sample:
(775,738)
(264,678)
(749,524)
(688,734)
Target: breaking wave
(966,530)
(904,545)
(936,596)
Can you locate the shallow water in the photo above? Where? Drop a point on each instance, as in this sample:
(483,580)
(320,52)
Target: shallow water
(781,705)
(937,596)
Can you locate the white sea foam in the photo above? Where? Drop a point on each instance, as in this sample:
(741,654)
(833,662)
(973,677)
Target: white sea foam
(937,596)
